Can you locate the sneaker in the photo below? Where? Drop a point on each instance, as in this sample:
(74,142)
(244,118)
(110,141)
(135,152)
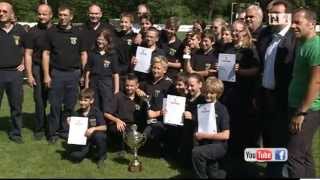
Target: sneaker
(63,135)
(16,139)
(121,154)
(52,139)
(38,136)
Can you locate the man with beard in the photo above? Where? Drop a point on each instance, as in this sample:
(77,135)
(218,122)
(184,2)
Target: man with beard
(33,60)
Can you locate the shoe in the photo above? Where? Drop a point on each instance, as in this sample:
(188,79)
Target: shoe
(16,139)
(38,136)
(100,163)
(52,139)
(63,135)
(121,154)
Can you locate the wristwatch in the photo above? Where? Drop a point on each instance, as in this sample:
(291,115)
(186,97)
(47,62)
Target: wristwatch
(300,113)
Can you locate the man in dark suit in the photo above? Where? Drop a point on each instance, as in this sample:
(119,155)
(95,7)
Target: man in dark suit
(276,48)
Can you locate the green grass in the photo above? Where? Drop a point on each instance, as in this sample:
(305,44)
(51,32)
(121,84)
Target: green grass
(37,159)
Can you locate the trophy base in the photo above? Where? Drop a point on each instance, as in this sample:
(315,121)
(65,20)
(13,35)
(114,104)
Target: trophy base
(135,166)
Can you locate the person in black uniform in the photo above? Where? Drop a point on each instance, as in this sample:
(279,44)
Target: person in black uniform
(151,39)
(170,43)
(194,98)
(11,67)
(203,62)
(102,71)
(65,52)
(212,146)
(126,109)
(33,60)
(94,25)
(156,88)
(96,132)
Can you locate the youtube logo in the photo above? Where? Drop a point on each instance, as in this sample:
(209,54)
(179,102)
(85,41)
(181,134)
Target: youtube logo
(265,154)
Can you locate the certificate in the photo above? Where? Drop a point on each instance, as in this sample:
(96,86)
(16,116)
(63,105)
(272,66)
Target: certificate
(226,71)
(207,118)
(174,107)
(77,129)
(143,56)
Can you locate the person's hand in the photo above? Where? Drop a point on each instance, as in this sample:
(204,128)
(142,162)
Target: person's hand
(216,67)
(296,124)
(187,115)
(31,81)
(90,131)
(199,136)
(212,72)
(134,60)
(20,67)
(68,120)
(140,93)
(47,81)
(187,50)
(82,82)
(121,126)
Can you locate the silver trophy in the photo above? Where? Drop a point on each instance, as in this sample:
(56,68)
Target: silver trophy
(134,140)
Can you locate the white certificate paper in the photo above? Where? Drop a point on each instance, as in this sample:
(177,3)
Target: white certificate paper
(174,107)
(226,71)
(207,118)
(143,56)
(77,129)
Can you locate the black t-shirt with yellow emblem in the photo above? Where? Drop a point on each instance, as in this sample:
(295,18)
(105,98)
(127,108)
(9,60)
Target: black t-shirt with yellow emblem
(102,65)
(95,117)
(11,47)
(65,47)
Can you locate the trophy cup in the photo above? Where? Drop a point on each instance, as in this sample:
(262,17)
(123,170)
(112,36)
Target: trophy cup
(134,140)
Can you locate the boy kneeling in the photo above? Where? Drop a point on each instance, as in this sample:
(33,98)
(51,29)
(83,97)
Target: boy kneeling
(212,146)
(96,132)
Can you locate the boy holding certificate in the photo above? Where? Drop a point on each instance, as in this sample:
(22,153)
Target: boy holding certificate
(212,146)
(96,132)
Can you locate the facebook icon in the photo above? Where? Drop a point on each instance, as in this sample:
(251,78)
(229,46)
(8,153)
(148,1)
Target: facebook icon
(281,155)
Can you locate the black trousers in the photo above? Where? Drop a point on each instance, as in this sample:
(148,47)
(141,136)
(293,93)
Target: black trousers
(11,82)
(117,136)
(203,155)
(300,159)
(64,92)
(40,96)
(273,127)
(103,90)
(98,139)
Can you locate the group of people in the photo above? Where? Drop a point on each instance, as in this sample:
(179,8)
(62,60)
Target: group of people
(274,101)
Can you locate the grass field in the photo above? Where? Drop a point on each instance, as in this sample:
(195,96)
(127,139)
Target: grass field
(37,159)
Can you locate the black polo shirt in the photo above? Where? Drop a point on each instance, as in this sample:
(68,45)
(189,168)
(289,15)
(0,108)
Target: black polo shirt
(191,106)
(171,50)
(223,122)
(11,47)
(102,65)
(157,90)
(65,47)
(91,34)
(95,117)
(129,111)
(200,61)
(126,37)
(34,39)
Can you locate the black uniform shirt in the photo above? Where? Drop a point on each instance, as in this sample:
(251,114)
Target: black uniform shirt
(129,111)
(102,65)
(95,117)
(172,55)
(200,61)
(65,47)
(157,91)
(11,47)
(222,119)
(34,39)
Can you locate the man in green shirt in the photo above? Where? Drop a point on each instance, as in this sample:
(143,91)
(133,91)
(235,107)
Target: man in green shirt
(304,96)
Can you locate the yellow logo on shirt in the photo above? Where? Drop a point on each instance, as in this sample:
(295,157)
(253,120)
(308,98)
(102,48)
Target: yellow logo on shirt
(16,40)
(73,40)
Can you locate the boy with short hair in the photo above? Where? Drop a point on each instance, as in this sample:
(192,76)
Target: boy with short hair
(96,132)
(212,146)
